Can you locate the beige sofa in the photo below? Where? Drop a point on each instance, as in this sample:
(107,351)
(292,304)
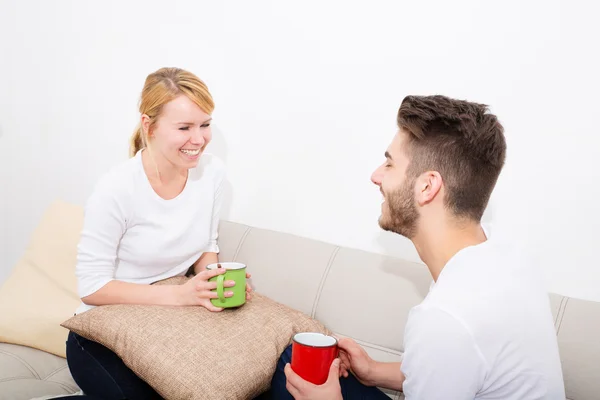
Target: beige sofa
(358,294)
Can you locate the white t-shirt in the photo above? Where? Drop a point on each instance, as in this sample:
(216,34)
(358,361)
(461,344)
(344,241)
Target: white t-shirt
(133,235)
(484,331)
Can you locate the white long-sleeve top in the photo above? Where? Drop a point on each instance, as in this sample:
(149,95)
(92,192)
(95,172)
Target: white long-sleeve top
(133,235)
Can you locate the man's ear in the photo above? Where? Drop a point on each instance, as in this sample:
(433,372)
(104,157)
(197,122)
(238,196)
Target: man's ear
(427,187)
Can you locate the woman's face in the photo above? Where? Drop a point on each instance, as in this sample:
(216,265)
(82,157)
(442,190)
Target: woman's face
(181,133)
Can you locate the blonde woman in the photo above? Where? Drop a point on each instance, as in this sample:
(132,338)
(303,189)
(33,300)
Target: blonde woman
(152,217)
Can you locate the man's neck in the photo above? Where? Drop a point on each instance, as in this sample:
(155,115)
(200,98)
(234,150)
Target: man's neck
(438,244)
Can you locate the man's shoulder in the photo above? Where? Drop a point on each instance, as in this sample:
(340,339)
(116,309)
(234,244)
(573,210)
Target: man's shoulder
(429,317)
(485,284)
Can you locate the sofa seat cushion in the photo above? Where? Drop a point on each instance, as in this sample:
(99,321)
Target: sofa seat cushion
(27,373)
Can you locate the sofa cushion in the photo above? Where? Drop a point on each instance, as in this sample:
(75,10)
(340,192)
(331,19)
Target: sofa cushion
(285,267)
(27,373)
(192,353)
(578,333)
(384,294)
(41,291)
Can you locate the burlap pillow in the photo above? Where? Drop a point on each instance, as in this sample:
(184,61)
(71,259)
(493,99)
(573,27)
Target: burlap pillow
(192,353)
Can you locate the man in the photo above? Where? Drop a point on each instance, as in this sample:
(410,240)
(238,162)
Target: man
(485,330)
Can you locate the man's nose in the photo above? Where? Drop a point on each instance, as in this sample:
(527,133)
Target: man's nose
(376,176)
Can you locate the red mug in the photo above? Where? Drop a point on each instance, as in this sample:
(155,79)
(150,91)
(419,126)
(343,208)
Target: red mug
(312,355)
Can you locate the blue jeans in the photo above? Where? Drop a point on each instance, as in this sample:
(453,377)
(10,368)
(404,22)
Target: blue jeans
(101,374)
(352,389)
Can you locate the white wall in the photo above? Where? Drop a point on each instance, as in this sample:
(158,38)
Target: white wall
(307,94)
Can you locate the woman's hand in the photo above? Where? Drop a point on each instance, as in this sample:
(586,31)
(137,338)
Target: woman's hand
(248,288)
(198,290)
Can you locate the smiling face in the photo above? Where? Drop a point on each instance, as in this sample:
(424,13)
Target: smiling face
(180,134)
(399,211)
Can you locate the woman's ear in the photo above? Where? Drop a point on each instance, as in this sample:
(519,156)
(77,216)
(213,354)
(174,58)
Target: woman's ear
(145,123)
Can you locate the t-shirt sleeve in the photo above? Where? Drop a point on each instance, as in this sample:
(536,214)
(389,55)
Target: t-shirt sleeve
(103,226)
(213,246)
(441,359)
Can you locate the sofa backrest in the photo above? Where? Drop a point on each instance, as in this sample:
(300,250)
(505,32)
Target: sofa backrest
(368,296)
(357,294)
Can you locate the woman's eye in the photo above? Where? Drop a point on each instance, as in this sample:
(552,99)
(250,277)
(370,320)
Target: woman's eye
(184,128)
(205,125)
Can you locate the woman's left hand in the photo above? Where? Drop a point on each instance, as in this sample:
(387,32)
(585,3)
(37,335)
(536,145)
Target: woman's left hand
(248,288)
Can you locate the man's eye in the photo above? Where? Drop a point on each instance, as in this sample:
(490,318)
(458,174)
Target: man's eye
(184,128)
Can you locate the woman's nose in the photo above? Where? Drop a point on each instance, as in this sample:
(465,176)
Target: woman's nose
(197,137)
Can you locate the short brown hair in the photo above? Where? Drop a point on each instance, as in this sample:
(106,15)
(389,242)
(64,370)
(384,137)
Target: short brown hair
(459,139)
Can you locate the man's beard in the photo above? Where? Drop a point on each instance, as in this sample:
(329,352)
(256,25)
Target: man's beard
(401,215)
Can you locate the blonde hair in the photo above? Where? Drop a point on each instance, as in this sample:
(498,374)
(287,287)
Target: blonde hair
(160,88)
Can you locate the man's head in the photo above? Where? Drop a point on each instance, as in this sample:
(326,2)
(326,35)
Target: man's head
(444,160)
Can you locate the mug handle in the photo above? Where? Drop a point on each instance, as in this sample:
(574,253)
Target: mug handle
(220,280)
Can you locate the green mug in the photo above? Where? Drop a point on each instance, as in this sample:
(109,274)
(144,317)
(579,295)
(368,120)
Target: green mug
(235,272)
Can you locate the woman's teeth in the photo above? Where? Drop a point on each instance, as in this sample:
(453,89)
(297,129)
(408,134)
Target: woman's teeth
(190,152)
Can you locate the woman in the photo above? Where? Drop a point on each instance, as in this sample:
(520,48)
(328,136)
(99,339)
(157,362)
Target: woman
(152,217)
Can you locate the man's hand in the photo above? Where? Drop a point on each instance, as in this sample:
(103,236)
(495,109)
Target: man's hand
(368,371)
(355,359)
(303,390)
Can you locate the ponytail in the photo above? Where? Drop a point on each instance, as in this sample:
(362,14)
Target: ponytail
(136,143)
